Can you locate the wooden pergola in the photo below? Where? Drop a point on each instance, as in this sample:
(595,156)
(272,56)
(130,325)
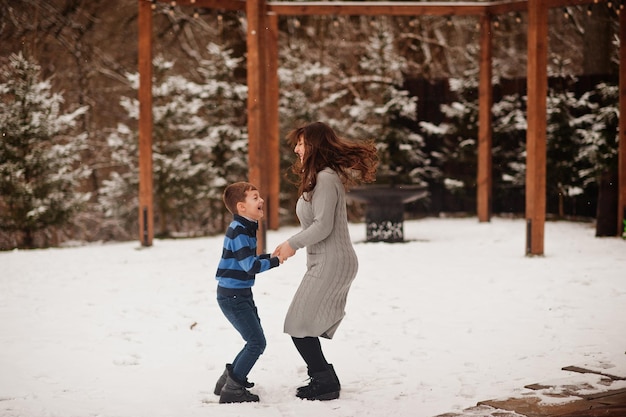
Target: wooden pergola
(263,91)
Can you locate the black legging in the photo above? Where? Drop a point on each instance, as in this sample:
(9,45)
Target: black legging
(311,351)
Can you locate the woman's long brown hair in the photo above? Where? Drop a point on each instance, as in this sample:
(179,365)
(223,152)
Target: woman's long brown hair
(354,162)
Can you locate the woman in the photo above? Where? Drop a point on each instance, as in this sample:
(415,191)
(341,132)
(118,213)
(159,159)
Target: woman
(326,167)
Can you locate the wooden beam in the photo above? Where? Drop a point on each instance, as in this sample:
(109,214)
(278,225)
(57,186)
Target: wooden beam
(144,47)
(382,8)
(255,11)
(272,168)
(415,8)
(485,100)
(211,4)
(537,83)
(503,8)
(375,8)
(621,181)
(552,4)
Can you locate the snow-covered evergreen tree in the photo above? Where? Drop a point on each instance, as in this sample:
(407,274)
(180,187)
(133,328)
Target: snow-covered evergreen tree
(199,145)
(118,195)
(381,109)
(40,165)
(301,78)
(509,152)
(175,172)
(563,146)
(224,113)
(598,129)
(457,139)
(457,156)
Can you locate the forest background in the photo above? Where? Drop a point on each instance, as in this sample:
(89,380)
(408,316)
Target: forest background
(68,112)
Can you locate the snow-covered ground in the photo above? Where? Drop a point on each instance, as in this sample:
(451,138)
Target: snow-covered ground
(455,316)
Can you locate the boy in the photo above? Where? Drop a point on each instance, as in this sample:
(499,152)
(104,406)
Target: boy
(235,275)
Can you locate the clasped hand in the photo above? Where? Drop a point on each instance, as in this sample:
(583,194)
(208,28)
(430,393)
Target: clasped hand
(284,251)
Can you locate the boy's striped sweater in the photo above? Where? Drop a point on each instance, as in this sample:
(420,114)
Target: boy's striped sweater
(240,263)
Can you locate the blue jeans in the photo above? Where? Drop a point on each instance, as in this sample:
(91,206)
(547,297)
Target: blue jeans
(241,312)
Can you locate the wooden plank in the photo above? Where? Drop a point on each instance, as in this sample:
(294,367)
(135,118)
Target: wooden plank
(485,100)
(536,133)
(610,411)
(144,49)
(563,397)
(503,7)
(617,396)
(211,4)
(588,386)
(273,140)
(481,411)
(374,8)
(532,406)
(382,8)
(621,208)
(256,100)
(399,8)
(588,370)
(606,404)
(537,387)
(551,4)
(254,81)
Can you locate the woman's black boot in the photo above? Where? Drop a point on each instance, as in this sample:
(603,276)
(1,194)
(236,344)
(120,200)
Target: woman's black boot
(323,386)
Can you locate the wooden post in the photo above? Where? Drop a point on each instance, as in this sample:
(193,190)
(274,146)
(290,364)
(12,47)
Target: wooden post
(272,170)
(146,214)
(621,200)
(485,100)
(536,134)
(256,101)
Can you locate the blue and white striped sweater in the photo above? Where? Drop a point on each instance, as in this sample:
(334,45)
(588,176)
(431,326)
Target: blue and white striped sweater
(239,263)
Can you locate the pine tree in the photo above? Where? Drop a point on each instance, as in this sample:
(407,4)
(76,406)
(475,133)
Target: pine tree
(223,114)
(295,74)
(381,109)
(40,166)
(181,168)
(597,126)
(457,138)
(199,145)
(457,156)
(563,145)
(509,152)
(598,129)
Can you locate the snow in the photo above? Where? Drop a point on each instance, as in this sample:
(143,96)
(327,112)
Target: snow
(456,315)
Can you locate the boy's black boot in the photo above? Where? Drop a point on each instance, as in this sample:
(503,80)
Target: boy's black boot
(234,391)
(323,386)
(222,380)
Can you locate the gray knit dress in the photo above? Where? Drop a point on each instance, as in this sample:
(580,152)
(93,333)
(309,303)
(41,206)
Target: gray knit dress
(319,304)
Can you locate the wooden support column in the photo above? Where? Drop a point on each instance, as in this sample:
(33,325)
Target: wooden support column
(146,213)
(255,12)
(485,99)
(621,209)
(536,134)
(272,169)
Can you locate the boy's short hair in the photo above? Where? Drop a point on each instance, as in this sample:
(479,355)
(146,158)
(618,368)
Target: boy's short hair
(236,193)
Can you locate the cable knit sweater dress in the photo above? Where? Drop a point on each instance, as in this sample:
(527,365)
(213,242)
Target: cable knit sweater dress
(319,303)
